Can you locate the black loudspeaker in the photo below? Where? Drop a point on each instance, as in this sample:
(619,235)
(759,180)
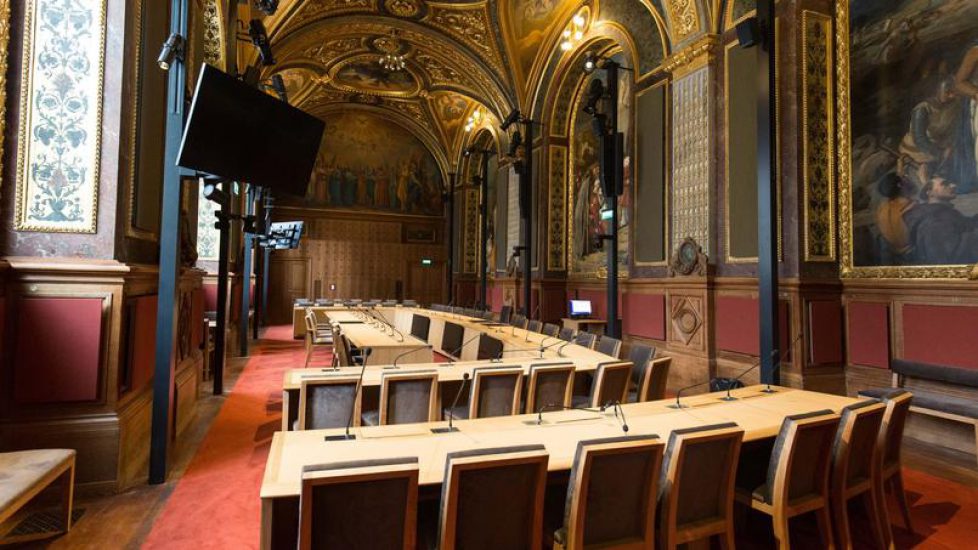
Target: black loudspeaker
(612,149)
(748,33)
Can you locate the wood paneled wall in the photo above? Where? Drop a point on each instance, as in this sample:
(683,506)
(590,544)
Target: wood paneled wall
(364,256)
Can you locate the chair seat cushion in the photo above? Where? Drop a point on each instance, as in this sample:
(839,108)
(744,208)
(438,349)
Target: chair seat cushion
(370,418)
(460,412)
(21,471)
(934,401)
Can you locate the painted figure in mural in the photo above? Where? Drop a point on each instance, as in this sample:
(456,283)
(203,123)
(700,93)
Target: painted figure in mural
(939,233)
(381,195)
(914,105)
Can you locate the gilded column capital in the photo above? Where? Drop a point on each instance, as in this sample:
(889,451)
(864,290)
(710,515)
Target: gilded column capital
(696,55)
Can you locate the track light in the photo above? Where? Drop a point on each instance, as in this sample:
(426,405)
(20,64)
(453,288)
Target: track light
(513,118)
(171,51)
(214,193)
(594,95)
(268,7)
(259,37)
(514,143)
(590,62)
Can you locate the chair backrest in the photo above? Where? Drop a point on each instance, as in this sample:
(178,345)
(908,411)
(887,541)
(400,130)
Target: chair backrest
(610,383)
(420,326)
(585,339)
(344,351)
(653,385)
(410,303)
(610,346)
(327,402)
(611,495)
(495,391)
(891,433)
(389,303)
(410,396)
(505,314)
(493,498)
(640,356)
(359,505)
(856,453)
(323,302)
(551,329)
(303,302)
(696,485)
(310,326)
(549,384)
(566,334)
(534,325)
(518,321)
(799,467)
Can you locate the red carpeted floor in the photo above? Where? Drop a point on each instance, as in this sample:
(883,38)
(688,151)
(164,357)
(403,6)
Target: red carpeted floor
(216,505)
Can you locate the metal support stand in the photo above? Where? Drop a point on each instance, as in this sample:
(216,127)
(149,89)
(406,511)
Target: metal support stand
(526,216)
(451,238)
(246,269)
(484,224)
(166,313)
(223,225)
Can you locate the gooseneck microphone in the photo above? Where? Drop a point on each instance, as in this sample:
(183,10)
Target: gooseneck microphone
(408,352)
(353,405)
(615,405)
(774,356)
(451,416)
(380,317)
(459,349)
(619,413)
(677,404)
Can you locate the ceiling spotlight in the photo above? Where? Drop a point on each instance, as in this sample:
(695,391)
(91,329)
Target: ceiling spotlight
(513,118)
(514,143)
(172,50)
(594,95)
(392,62)
(268,7)
(590,62)
(259,37)
(214,193)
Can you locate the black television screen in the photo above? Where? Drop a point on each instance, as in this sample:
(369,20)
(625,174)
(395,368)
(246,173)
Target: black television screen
(239,133)
(451,339)
(420,326)
(489,348)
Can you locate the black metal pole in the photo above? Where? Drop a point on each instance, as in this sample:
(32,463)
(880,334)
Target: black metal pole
(246,278)
(484,245)
(166,312)
(767,238)
(260,267)
(615,169)
(224,227)
(266,272)
(526,213)
(451,238)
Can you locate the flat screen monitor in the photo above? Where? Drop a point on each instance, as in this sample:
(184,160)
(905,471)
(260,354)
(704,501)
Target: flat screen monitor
(451,339)
(420,326)
(489,348)
(580,308)
(285,235)
(239,133)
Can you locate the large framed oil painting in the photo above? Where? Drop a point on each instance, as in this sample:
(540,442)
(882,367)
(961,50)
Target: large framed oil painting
(369,163)
(588,256)
(907,73)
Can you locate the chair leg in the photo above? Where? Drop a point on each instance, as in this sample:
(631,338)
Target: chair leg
(727,541)
(308,356)
(879,533)
(824,519)
(901,495)
(782,530)
(67,494)
(840,513)
(883,515)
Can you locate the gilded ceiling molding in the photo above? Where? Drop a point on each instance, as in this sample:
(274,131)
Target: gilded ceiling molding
(470,25)
(691,58)
(4,51)
(684,18)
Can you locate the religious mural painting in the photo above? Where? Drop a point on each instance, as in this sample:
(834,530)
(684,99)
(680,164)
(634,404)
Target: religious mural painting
(587,251)
(367,76)
(369,163)
(908,73)
(530,22)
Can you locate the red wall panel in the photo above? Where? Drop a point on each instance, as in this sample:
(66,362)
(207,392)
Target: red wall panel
(644,315)
(210,296)
(825,321)
(496,297)
(738,326)
(57,349)
(868,326)
(944,335)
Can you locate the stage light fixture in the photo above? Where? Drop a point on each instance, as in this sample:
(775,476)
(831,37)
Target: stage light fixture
(511,119)
(172,50)
(594,95)
(267,7)
(214,193)
(590,62)
(515,142)
(259,37)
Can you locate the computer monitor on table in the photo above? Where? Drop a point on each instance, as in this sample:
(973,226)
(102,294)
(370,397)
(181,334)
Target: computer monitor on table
(580,309)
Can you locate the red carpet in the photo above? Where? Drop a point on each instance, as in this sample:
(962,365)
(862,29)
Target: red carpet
(216,505)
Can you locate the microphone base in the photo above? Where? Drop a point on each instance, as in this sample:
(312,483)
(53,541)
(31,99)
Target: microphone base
(392,367)
(445,430)
(677,406)
(341,437)
(768,390)
(729,398)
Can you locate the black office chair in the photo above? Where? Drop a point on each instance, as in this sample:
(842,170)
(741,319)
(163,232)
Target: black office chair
(566,334)
(534,326)
(640,356)
(586,339)
(551,329)
(505,314)
(518,321)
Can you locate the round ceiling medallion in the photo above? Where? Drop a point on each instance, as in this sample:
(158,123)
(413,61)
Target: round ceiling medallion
(404,8)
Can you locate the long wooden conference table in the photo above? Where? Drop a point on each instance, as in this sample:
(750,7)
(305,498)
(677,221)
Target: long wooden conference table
(759,414)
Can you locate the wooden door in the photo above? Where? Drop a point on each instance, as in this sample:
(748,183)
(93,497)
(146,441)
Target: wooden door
(425,283)
(288,280)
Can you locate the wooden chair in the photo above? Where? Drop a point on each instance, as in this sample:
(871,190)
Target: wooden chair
(495,392)
(493,498)
(856,461)
(610,346)
(640,356)
(797,478)
(652,385)
(326,403)
(549,384)
(566,334)
(405,397)
(586,339)
(534,325)
(359,505)
(610,385)
(25,475)
(697,484)
(611,495)
(891,442)
(551,329)
(315,338)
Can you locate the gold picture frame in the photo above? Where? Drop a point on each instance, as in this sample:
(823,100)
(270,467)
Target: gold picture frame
(847,266)
(4,52)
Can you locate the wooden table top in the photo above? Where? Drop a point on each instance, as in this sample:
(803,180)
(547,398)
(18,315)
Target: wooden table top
(760,414)
(366,332)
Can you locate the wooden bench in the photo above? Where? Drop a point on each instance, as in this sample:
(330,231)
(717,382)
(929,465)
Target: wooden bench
(23,475)
(940,405)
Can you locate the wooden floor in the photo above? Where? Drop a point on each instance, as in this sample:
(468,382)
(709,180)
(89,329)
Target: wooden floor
(125,520)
